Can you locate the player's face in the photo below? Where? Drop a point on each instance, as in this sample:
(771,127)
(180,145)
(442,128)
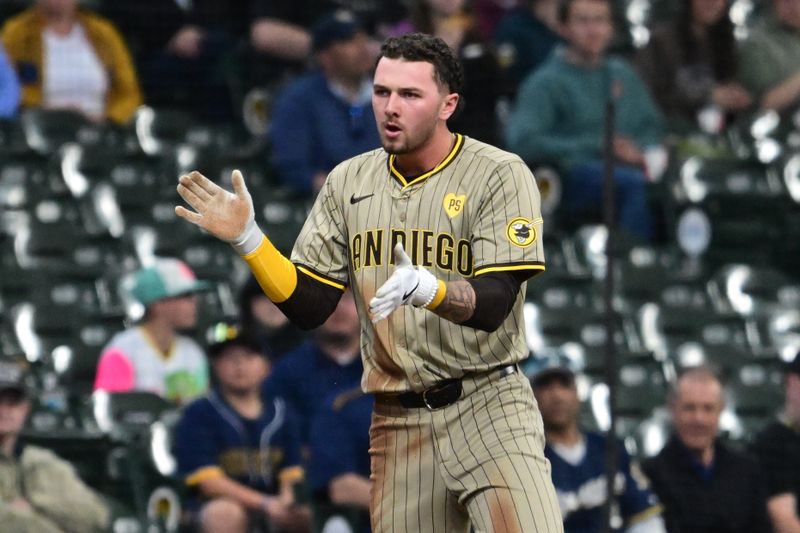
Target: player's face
(13,412)
(240,370)
(788,12)
(558,402)
(708,12)
(695,412)
(589,28)
(408,104)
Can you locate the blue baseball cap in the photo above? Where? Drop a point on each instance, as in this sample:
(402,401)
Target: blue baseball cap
(166,278)
(341,25)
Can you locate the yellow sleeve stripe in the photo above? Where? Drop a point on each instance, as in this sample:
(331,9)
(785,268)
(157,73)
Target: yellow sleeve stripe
(441,292)
(204,474)
(508,268)
(291,474)
(326,281)
(644,515)
(276,274)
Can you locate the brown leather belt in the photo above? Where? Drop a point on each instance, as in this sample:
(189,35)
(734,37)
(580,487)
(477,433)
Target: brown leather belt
(441,394)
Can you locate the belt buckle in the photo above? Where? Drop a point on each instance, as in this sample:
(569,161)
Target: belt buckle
(439,388)
(425,400)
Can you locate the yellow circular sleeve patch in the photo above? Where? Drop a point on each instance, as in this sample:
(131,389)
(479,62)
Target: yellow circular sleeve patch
(521,231)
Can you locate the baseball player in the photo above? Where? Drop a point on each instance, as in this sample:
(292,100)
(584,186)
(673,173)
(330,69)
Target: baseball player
(436,235)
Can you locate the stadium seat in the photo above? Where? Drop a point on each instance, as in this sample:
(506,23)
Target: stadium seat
(549,329)
(756,389)
(128,413)
(750,291)
(46,130)
(662,275)
(776,334)
(162,130)
(664,331)
(744,201)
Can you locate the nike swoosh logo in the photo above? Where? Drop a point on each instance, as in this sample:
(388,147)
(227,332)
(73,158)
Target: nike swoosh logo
(355,199)
(409,293)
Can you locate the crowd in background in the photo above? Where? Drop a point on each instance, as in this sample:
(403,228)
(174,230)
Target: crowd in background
(265,406)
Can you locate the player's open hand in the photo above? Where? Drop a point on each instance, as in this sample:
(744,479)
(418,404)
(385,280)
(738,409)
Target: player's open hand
(407,284)
(224,214)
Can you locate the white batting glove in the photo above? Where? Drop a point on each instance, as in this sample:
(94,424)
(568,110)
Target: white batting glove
(228,216)
(407,285)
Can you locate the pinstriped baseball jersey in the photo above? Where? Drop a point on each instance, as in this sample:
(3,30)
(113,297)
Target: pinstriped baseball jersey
(476,212)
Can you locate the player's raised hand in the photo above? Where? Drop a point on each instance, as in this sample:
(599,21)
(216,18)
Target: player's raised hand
(407,284)
(224,214)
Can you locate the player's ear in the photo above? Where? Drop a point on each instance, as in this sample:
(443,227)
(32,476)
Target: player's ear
(449,106)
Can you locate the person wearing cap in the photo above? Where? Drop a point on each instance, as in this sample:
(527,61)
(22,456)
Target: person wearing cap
(39,492)
(325,117)
(237,452)
(329,361)
(578,459)
(704,484)
(152,355)
(777,448)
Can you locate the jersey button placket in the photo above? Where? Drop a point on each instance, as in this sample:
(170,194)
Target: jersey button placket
(403,207)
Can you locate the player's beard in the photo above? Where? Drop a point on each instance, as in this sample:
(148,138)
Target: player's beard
(408,143)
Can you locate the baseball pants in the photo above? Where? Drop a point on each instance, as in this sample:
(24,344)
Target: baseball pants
(478,462)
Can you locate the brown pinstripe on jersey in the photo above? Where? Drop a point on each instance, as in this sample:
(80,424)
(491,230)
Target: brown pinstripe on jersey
(476,212)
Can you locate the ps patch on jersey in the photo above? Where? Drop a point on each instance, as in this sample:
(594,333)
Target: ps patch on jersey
(521,231)
(454,205)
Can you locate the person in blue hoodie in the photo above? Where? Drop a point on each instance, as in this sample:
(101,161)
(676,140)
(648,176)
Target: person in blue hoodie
(325,117)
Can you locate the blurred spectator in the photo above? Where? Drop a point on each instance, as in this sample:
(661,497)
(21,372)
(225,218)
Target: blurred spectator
(39,493)
(330,361)
(778,450)
(690,64)
(152,356)
(526,37)
(181,48)
(703,484)
(489,13)
(9,87)
(339,466)
(238,454)
(71,58)
(325,117)
(274,332)
(578,460)
(281,29)
(454,22)
(560,113)
(770,64)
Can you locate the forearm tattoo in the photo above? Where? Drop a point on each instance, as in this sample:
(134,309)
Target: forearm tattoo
(459,302)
